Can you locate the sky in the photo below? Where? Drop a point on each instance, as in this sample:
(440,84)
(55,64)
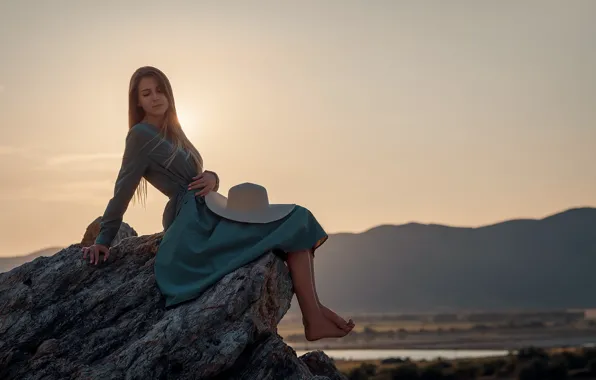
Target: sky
(463,113)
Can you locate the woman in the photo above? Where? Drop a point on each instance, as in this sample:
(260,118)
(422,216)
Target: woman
(199,246)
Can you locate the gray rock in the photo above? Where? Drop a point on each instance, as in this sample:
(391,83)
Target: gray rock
(320,364)
(63,318)
(93,228)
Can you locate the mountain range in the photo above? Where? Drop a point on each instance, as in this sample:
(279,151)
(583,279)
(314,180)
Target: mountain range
(516,264)
(7,263)
(525,264)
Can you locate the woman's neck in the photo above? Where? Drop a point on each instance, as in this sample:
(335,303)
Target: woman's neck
(154,120)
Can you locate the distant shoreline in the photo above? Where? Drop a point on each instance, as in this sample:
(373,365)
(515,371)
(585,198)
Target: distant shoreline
(508,344)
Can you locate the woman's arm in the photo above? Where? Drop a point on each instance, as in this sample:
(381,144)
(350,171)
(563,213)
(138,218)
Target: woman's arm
(134,164)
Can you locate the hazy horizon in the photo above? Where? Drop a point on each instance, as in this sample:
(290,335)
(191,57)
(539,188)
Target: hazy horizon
(460,113)
(336,232)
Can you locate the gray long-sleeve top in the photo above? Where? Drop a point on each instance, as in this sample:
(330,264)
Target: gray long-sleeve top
(145,155)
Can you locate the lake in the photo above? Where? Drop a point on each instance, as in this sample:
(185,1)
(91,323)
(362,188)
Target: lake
(447,352)
(412,354)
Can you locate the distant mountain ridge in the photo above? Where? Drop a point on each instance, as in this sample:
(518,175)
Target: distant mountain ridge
(543,263)
(520,263)
(7,263)
(587,210)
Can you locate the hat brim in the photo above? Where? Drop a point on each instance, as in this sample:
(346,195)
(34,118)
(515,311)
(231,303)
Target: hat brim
(217,203)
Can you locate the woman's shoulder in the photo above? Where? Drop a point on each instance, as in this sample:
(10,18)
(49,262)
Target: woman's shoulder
(140,135)
(142,130)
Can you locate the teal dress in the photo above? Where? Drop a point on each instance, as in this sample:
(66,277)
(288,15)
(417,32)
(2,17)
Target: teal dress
(199,247)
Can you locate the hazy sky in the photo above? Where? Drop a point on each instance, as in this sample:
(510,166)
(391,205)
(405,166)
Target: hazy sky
(367,112)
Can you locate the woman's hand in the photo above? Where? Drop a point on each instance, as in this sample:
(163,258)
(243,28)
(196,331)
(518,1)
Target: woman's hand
(94,251)
(207,181)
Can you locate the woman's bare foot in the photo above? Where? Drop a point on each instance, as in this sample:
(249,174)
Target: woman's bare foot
(320,328)
(336,319)
(339,321)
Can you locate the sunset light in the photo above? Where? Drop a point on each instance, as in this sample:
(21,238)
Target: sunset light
(430,163)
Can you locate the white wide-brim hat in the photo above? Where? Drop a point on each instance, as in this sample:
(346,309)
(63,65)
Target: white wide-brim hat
(247,202)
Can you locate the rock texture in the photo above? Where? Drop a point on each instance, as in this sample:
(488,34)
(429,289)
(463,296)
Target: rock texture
(92,231)
(63,318)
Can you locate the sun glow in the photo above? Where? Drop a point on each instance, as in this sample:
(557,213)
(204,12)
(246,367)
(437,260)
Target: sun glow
(188,121)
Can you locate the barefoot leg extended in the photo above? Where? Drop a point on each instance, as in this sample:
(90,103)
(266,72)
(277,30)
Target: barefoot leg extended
(301,273)
(316,325)
(328,313)
(312,273)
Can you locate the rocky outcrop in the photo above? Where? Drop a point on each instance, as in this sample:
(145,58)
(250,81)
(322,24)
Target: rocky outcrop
(63,318)
(92,231)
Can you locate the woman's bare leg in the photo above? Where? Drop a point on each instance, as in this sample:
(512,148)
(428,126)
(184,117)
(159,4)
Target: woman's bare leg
(316,325)
(328,313)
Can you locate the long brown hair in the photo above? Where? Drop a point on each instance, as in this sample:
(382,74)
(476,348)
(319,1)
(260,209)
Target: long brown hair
(170,129)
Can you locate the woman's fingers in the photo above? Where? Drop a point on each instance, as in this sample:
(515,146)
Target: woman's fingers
(197,184)
(205,190)
(91,254)
(106,254)
(94,251)
(96,255)
(199,179)
(205,183)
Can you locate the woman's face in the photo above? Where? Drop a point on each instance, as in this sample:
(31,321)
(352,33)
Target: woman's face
(151,97)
